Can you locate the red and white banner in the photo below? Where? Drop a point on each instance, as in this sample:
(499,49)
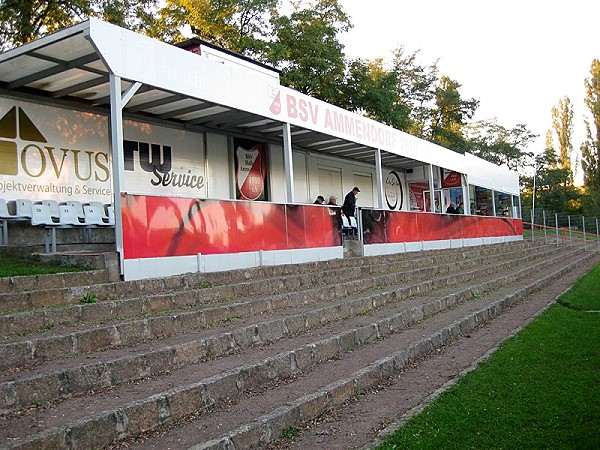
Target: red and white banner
(451,179)
(250,170)
(156,227)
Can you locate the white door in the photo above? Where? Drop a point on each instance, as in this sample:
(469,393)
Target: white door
(365,183)
(330,183)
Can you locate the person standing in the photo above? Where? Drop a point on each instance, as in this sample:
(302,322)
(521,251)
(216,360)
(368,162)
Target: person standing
(320,200)
(460,209)
(332,201)
(349,205)
(451,209)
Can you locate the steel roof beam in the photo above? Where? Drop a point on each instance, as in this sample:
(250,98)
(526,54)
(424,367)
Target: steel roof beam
(61,66)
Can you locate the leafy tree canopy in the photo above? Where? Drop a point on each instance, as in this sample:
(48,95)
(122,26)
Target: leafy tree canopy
(22,21)
(500,145)
(590,149)
(306,48)
(449,115)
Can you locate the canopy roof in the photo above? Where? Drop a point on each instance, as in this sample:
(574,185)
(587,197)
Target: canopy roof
(212,92)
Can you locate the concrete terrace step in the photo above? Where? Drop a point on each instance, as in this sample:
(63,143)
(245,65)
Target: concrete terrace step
(26,293)
(52,345)
(82,378)
(158,358)
(191,292)
(394,340)
(27,283)
(79,378)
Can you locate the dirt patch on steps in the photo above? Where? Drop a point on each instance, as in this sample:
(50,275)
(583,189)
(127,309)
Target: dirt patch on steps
(360,422)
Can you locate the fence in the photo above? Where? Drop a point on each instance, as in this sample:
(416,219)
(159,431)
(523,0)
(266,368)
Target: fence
(563,228)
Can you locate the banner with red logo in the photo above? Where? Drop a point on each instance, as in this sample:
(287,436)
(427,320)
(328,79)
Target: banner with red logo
(381,227)
(175,226)
(415,195)
(250,170)
(451,179)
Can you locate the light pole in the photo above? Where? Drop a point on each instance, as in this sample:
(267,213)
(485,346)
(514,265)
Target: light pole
(536,168)
(533,199)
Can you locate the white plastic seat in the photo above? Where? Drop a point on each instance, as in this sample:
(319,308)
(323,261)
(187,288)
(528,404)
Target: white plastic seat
(40,216)
(68,216)
(111,215)
(5,217)
(23,208)
(77,206)
(4,214)
(102,208)
(94,215)
(52,207)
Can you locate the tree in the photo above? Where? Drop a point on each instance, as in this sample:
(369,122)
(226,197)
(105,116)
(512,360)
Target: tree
(415,89)
(22,21)
(450,115)
(562,123)
(370,89)
(499,145)
(554,189)
(590,149)
(306,48)
(241,26)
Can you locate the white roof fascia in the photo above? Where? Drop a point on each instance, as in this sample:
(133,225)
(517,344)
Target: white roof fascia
(135,57)
(488,175)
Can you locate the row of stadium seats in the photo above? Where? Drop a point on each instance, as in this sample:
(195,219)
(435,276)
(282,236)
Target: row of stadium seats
(51,214)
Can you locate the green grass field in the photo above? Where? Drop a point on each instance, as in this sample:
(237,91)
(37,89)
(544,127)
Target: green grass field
(540,390)
(14,266)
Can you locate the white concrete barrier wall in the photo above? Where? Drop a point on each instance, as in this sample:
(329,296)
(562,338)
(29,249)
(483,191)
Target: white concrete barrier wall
(141,268)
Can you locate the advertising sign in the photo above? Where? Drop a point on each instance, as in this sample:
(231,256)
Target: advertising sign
(451,179)
(60,154)
(163,161)
(250,170)
(53,153)
(393,191)
(404,226)
(415,194)
(162,226)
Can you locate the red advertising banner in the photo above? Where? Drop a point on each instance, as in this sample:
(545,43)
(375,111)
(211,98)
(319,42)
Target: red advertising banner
(451,179)
(165,226)
(250,169)
(415,195)
(402,226)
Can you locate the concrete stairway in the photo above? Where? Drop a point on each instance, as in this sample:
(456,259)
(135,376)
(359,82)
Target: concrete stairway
(230,360)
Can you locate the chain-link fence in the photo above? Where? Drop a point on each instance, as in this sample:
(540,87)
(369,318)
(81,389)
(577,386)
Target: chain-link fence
(561,228)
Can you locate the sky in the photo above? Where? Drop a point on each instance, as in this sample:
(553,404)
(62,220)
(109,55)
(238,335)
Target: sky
(517,57)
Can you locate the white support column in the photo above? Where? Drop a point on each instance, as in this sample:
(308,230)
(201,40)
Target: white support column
(465,191)
(379,179)
(288,163)
(432,191)
(116,144)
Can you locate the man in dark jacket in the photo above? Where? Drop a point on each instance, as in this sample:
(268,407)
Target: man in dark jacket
(350,202)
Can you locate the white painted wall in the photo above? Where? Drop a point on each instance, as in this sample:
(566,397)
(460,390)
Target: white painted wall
(219,171)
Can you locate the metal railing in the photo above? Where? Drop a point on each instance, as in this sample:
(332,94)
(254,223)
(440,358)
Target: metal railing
(563,228)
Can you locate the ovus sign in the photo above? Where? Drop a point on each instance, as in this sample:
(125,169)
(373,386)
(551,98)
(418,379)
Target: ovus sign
(61,154)
(48,152)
